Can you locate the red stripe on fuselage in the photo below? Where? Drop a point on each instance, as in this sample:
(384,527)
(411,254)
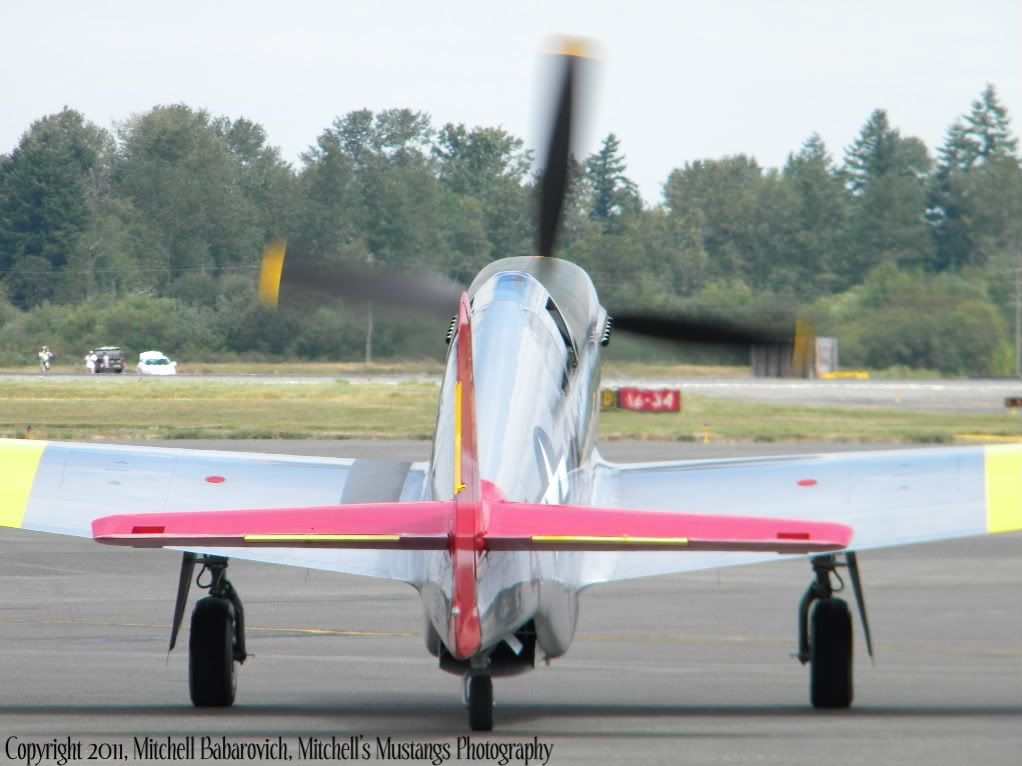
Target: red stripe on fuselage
(469,522)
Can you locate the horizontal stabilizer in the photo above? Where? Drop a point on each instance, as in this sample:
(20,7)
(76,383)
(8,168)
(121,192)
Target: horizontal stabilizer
(429,526)
(397,526)
(521,526)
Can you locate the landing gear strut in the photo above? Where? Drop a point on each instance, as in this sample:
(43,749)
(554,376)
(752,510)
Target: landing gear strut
(217,639)
(825,632)
(479,697)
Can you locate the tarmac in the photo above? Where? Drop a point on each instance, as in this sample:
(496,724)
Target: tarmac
(967,396)
(690,669)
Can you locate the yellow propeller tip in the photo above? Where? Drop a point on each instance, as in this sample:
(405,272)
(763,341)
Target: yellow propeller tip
(576,47)
(803,351)
(270,273)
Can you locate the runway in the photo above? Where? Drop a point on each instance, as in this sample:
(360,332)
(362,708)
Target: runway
(691,669)
(960,396)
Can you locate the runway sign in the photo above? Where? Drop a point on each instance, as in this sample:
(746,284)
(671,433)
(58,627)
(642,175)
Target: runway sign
(649,399)
(608,399)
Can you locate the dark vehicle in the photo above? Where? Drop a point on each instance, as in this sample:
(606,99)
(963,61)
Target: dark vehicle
(109,359)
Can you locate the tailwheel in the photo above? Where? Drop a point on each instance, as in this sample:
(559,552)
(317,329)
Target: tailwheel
(830,668)
(479,697)
(212,679)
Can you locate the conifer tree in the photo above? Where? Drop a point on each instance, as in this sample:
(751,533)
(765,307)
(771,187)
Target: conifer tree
(613,193)
(989,128)
(975,193)
(887,175)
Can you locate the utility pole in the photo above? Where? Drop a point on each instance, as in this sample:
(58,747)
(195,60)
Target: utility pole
(369,334)
(369,321)
(1018,307)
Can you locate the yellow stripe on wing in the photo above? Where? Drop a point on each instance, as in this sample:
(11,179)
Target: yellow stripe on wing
(459,485)
(19,461)
(625,540)
(1004,487)
(322,538)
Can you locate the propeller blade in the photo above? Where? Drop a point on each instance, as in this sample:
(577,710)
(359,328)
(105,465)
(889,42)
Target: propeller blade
(853,574)
(554,186)
(803,349)
(270,273)
(692,329)
(289,275)
(183,583)
(282,275)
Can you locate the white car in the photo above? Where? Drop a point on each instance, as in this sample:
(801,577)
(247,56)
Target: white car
(155,363)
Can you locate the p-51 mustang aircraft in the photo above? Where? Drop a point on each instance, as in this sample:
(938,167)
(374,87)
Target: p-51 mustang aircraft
(516,513)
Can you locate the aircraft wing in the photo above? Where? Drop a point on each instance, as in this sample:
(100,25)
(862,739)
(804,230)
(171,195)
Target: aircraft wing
(63,487)
(888,498)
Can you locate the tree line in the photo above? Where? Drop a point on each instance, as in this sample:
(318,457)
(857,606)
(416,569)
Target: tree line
(149,235)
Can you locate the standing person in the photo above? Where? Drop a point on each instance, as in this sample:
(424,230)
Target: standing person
(90,361)
(45,357)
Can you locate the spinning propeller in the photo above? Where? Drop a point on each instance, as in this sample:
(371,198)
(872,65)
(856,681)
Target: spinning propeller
(295,276)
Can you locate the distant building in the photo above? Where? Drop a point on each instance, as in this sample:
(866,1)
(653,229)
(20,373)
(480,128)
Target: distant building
(778,360)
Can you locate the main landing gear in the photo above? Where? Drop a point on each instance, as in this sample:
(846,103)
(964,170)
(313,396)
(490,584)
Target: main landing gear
(825,632)
(217,639)
(479,697)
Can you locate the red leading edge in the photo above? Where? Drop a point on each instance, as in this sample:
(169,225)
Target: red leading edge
(428,526)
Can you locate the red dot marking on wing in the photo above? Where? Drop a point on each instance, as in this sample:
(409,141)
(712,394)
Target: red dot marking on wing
(807,482)
(215,479)
(792,535)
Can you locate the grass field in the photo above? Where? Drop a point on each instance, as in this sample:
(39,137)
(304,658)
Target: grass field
(728,420)
(143,408)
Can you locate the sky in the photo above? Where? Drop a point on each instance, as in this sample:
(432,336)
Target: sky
(675,81)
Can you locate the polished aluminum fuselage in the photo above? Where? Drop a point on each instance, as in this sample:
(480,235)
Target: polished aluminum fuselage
(536,386)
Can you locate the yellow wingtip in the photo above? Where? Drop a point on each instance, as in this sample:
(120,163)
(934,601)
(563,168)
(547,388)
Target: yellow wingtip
(270,273)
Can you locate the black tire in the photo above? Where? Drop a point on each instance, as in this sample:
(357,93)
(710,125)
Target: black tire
(830,668)
(480,703)
(118,371)
(211,672)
